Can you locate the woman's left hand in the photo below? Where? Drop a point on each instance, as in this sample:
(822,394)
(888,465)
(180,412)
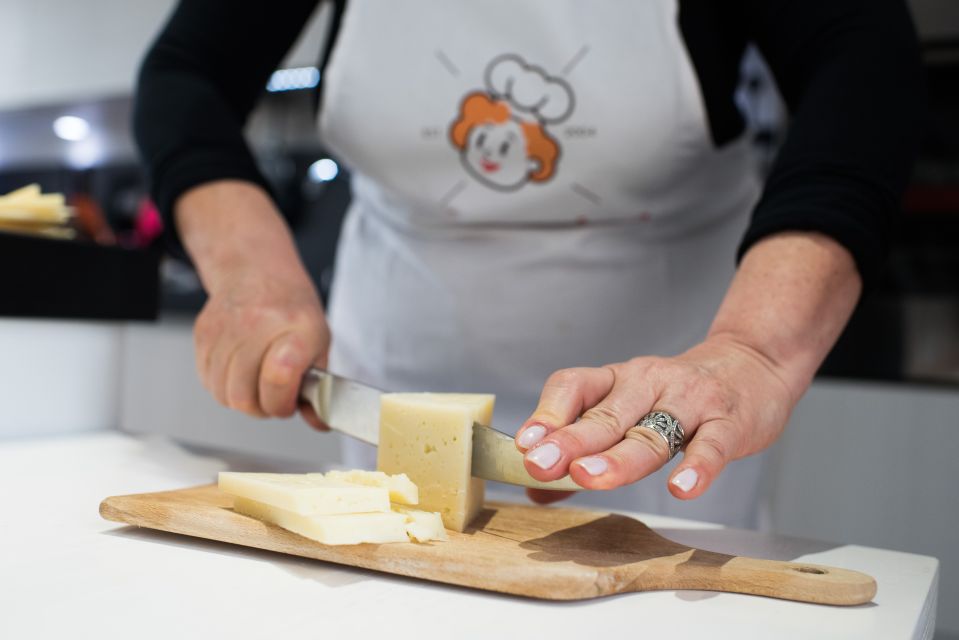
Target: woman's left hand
(731,400)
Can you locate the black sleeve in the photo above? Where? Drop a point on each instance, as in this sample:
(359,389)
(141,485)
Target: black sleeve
(851,75)
(197,85)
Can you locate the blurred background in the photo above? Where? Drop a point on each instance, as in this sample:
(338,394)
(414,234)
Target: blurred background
(107,316)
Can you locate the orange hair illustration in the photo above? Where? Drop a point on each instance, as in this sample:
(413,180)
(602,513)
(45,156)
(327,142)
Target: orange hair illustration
(477,108)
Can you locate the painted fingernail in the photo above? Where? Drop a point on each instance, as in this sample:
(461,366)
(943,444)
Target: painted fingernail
(531,435)
(544,456)
(594,465)
(686,479)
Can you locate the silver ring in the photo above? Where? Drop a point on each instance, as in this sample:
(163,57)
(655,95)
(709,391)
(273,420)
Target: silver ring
(666,426)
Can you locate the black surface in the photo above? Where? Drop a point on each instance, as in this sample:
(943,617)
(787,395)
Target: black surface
(44,278)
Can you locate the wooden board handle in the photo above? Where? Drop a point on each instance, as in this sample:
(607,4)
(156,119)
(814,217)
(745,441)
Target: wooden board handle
(804,582)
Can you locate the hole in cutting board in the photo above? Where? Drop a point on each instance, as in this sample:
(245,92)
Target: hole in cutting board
(812,570)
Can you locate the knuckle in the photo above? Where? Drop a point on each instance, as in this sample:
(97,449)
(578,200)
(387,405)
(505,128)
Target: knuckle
(250,319)
(564,379)
(649,439)
(712,448)
(203,332)
(547,418)
(643,363)
(606,418)
(712,393)
(569,440)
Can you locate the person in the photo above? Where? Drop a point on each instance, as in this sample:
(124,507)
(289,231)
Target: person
(553,202)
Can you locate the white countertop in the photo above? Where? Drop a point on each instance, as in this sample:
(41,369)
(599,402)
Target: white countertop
(65,572)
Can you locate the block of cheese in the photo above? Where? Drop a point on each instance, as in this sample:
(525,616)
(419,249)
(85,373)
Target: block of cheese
(351,528)
(402,489)
(429,436)
(306,494)
(422,526)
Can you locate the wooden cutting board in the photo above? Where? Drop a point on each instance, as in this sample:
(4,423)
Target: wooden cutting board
(526,550)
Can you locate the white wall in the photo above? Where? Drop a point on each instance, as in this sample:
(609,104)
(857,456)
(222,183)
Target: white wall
(56,51)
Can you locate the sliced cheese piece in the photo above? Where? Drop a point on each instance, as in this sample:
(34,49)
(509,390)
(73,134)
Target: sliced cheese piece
(305,494)
(353,528)
(402,489)
(27,192)
(422,526)
(430,437)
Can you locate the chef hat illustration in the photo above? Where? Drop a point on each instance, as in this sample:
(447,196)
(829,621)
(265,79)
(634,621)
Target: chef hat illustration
(529,89)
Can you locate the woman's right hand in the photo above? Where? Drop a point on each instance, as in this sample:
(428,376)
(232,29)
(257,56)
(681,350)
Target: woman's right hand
(263,324)
(256,336)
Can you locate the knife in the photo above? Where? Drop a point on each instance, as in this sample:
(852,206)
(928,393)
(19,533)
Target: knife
(353,408)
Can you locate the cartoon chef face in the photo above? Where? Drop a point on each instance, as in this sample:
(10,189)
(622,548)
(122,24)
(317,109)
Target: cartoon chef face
(501,134)
(499,155)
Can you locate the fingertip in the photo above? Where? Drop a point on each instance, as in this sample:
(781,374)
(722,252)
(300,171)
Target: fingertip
(587,473)
(529,435)
(544,462)
(687,482)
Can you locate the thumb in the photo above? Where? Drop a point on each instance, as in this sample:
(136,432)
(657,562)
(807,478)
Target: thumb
(284,363)
(711,449)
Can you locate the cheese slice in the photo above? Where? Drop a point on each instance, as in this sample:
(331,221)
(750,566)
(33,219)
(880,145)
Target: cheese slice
(422,526)
(429,436)
(29,206)
(353,528)
(306,494)
(402,489)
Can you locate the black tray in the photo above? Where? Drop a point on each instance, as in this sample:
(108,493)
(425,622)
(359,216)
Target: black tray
(46,278)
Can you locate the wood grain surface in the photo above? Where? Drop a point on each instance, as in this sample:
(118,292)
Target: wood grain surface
(526,550)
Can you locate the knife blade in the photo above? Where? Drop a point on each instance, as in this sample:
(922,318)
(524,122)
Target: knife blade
(353,408)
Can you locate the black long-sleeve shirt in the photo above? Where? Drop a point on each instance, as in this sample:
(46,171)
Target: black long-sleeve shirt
(848,69)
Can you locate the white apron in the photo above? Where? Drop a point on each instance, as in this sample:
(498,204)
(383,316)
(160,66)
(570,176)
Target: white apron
(534,188)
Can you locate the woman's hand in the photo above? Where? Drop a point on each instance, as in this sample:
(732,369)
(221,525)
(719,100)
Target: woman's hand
(263,324)
(731,401)
(256,336)
(732,393)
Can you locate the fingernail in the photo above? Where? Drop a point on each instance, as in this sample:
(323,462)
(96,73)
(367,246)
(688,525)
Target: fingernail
(594,465)
(531,436)
(544,456)
(686,479)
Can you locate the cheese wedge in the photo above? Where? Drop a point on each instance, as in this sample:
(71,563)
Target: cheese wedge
(353,528)
(429,436)
(306,494)
(401,488)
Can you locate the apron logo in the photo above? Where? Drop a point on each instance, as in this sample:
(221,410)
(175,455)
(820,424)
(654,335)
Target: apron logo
(501,133)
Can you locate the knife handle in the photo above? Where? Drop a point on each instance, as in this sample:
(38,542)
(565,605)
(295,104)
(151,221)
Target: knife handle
(312,391)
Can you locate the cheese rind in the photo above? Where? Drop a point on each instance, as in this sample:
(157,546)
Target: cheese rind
(402,489)
(429,436)
(306,494)
(353,528)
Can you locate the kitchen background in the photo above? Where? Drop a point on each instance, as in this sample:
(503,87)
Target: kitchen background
(108,323)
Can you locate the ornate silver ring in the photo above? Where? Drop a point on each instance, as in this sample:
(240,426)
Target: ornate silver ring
(666,426)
